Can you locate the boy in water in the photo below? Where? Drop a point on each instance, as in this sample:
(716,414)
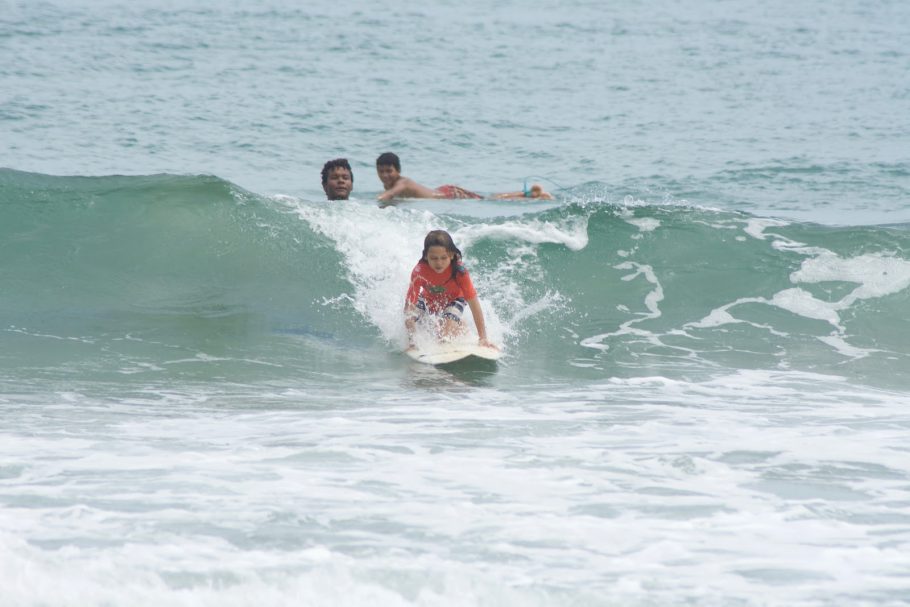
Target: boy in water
(396,185)
(388,167)
(337,179)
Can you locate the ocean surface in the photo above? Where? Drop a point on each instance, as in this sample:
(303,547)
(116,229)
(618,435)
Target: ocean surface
(704,397)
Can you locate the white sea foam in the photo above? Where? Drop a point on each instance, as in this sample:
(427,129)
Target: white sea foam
(756,226)
(877,275)
(802,303)
(573,233)
(740,486)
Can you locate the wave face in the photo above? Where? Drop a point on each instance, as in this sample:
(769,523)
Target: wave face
(123,276)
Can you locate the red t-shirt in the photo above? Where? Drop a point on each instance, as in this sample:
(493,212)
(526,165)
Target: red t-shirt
(438,289)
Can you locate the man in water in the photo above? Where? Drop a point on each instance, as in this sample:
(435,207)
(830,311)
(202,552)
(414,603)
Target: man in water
(337,179)
(396,185)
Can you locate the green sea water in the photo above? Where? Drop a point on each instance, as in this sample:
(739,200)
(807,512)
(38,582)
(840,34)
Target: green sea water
(119,275)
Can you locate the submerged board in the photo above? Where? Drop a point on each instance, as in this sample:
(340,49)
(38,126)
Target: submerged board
(441,354)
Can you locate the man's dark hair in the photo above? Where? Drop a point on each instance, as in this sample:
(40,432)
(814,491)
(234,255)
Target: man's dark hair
(388,158)
(334,164)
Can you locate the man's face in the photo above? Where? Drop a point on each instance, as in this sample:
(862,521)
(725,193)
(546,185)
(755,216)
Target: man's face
(388,175)
(339,184)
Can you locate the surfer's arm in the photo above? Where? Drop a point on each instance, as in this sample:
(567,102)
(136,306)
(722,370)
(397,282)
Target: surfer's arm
(477,313)
(399,189)
(388,194)
(410,317)
(406,187)
(410,321)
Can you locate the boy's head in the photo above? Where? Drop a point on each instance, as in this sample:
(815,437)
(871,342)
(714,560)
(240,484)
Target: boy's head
(388,159)
(388,167)
(337,179)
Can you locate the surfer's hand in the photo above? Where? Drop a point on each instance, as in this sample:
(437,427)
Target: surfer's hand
(483,341)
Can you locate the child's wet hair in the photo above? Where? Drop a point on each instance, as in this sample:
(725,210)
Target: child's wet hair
(441,238)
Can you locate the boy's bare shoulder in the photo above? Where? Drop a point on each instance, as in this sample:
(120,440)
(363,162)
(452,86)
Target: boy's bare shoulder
(407,187)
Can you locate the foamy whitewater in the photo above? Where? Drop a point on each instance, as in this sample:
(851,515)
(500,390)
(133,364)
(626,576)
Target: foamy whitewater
(704,395)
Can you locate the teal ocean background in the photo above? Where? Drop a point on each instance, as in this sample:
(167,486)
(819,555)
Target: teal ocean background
(704,397)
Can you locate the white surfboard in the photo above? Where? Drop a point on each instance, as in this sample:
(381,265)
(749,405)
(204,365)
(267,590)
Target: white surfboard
(440,354)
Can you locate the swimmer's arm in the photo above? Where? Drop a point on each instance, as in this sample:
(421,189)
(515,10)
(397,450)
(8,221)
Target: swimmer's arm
(506,195)
(477,313)
(393,191)
(406,187)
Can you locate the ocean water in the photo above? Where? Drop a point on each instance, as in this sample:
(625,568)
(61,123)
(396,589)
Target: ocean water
(704,397)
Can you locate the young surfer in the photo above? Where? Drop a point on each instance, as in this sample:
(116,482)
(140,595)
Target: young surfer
(396,185)
(440,287)
(388,168)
